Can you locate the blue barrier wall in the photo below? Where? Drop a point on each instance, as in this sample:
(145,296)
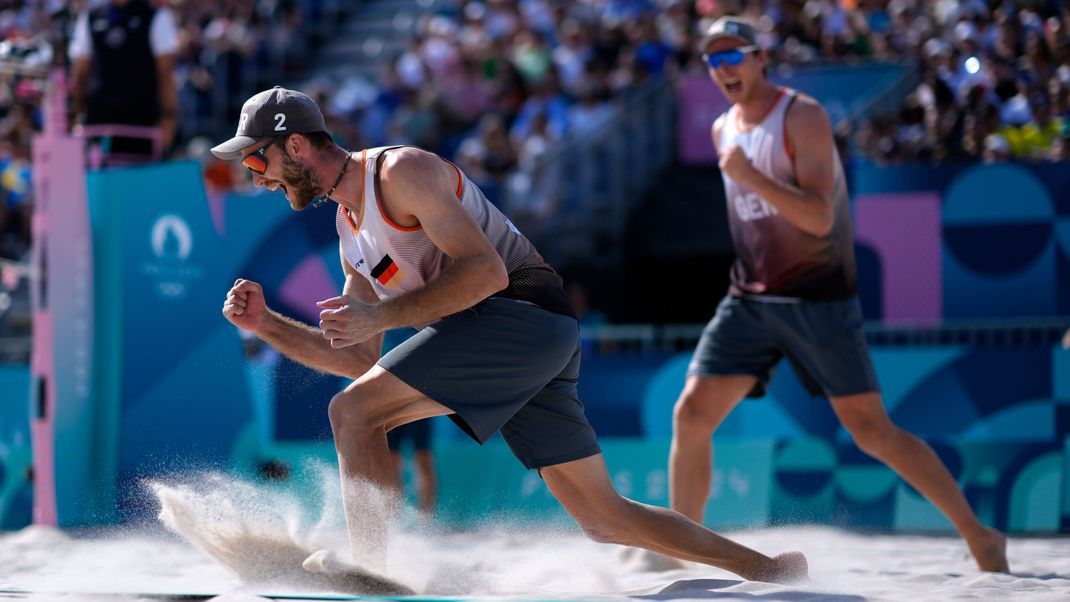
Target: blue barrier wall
(963,241)
(998,416)
(175,390)
(784,458)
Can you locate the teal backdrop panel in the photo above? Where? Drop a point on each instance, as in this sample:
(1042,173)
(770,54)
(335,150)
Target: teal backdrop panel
(294,256)
(16,491)
(172,390)
(486,483)
(1064,522)
(740,486)
(1012,486)
(1017,487)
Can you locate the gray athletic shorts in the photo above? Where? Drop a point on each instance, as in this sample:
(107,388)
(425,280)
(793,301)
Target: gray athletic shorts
(823,340)
(506,366)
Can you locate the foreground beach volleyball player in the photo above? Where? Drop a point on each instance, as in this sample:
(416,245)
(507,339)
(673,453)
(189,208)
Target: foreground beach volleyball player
(497,348)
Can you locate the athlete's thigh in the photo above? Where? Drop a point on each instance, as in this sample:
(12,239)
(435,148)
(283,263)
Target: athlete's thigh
(388,399)
(582,486)
(735,343)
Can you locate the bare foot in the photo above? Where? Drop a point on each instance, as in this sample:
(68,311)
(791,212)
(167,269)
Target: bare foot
(638,560)
(793,567)
(339,575)
(789,567)
(990,551)
(322,561)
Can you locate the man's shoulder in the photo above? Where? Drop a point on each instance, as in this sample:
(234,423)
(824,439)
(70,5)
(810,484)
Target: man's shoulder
(807,114)
(405,161)
(719,121)
(806,106)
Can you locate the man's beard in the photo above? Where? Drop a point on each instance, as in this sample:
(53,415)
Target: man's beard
(301,181)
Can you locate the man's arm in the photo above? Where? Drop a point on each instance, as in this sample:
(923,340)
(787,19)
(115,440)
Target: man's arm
(169,112)
(298,341)
(808,206)
(79,52)
(420,188)
(79,81)
(163,37)
(715,131)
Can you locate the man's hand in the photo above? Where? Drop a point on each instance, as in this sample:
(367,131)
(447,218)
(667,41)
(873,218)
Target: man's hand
(168,126)
(245,306)
(735,164)
(346,321)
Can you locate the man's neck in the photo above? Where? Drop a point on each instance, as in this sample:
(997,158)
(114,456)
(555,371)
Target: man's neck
(349,193)
(757,106)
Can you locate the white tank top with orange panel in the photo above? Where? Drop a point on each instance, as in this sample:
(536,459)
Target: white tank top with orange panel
(397,260)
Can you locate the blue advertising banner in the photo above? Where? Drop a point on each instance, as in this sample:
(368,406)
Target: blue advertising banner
(963,241)
(172,391)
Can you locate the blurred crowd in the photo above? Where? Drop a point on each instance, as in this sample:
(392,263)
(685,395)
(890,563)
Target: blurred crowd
(228,48)
(995,83)
(220,50)
(498,85)
(994,75)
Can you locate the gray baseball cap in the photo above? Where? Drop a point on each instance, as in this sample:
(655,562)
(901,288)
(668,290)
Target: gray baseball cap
(731,27)
(274,112)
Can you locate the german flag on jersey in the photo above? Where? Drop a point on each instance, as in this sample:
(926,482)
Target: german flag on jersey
(385,271)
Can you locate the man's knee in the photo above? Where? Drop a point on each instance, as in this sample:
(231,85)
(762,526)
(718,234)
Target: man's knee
(696,414)
(606,529)
(872,434)
(611,522)
(351,412)
(599,532)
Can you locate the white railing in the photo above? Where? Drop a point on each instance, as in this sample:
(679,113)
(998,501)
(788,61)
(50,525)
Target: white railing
(1002,332)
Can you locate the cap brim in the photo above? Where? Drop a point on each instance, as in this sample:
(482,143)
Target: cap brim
(706,41)
(232,149)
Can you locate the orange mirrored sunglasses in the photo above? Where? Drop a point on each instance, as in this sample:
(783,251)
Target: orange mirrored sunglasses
(256,162)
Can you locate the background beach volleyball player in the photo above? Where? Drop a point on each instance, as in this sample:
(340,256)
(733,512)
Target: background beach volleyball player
(792,290)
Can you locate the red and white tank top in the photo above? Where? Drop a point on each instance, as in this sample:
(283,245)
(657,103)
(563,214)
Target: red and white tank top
(775,259)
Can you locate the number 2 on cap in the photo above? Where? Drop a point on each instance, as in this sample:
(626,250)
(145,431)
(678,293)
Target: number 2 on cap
(279,127)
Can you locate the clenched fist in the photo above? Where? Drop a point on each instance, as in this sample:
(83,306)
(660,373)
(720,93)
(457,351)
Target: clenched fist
(346,321)
(735,164)
(245,306)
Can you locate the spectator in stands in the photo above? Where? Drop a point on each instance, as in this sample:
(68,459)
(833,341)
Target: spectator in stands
(548,101)
(534,185)
(997,149)
(16,196)
(1034,139)
(122,57)
(1005,64)
(488,156)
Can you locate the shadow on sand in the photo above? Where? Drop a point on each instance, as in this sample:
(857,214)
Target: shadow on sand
(706,589)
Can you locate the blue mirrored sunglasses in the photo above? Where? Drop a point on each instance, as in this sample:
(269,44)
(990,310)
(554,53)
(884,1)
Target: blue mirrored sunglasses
(728,57)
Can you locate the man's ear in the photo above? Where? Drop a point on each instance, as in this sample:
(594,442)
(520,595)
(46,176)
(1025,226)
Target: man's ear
(295,144)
